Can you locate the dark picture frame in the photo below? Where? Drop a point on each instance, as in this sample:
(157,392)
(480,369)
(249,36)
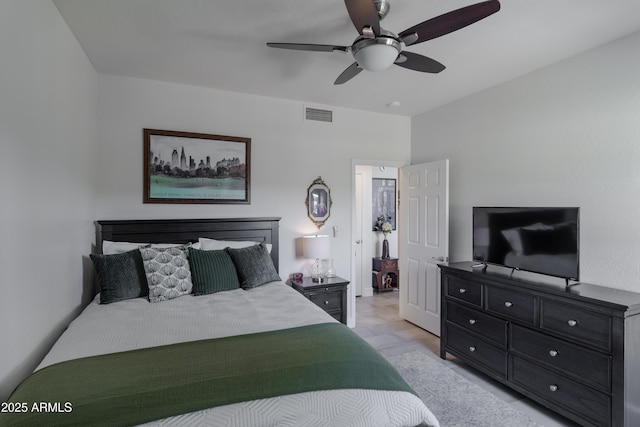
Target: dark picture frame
(187,167)
(318,202)
(383,200)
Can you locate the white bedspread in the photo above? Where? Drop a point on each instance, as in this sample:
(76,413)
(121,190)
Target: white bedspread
(137,323)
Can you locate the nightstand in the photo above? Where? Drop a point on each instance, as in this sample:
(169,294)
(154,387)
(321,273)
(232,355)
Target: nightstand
(330,294)
(386,276)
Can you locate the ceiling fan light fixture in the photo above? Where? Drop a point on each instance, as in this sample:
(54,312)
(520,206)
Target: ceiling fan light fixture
(376,54)
(382,7)
(376,49)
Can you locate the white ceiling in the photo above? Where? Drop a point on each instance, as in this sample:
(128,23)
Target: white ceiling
(222,44)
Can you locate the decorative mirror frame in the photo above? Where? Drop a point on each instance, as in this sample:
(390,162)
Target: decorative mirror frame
(318,202)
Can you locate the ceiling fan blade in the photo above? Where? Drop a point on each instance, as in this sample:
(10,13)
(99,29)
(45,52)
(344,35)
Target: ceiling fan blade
(363,14)
(311,47)
(351,71)
(452,21)
(416,62)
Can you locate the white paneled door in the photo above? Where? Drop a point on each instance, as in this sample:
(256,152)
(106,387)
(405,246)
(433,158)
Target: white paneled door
(423,241)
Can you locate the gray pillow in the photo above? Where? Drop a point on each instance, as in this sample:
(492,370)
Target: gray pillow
(212,271)
(254,265)
(120,276)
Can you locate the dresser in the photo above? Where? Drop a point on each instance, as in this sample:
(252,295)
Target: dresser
(330,294)
(575,350)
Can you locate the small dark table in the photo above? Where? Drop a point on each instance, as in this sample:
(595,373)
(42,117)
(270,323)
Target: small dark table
(385,274)
(330,294)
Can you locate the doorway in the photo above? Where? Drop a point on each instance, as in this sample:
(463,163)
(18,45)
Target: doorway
(366,243)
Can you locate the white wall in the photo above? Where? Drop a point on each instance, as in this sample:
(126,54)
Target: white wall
(565,135)
(287,155)
(48,113)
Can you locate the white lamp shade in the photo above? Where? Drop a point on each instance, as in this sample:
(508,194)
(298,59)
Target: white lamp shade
(376,57)
(316,247)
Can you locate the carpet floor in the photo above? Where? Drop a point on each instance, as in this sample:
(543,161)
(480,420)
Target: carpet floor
(453,399)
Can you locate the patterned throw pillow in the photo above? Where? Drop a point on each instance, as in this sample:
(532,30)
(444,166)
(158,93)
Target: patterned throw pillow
(168,272)
(120,276)
(212,271)
(254,265)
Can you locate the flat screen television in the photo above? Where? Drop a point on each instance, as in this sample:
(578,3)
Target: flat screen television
(540,240)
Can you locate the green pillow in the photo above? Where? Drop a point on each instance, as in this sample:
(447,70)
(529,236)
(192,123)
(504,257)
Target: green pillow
(212,271)
(120,276)
(254,265)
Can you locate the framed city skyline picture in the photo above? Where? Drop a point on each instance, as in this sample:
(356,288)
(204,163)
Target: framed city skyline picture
(186,167)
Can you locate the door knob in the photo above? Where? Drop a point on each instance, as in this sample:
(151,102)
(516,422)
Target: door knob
(358,241)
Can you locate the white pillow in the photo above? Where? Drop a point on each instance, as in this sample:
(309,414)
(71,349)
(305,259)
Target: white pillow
(213,245)
(110,248)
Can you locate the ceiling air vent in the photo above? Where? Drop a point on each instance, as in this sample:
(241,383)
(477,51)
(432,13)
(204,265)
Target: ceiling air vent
(318,114)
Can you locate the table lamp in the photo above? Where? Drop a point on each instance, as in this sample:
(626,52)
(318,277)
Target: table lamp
(316,247)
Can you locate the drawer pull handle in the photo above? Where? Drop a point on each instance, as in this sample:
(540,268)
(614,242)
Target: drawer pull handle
(553,353)
(472,348)
(463,290)
(326,303)
(508,304)
(326,289)
(572,322)
(553,387)
(472,321)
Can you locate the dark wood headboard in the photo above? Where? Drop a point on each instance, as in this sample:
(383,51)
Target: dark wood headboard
(189,230)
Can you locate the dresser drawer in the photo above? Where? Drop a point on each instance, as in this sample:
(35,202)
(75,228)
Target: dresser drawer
(583,401)
(464,290)
(327,300)
(589,365)
(477,350)
(512,304)
(488,326)
(577,324)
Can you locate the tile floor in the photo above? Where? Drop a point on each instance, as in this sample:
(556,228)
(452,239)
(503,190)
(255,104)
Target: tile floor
(378,322)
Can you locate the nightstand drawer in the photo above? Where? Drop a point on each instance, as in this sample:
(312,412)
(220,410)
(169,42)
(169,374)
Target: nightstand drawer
(390,264)
(464,290)
(330,294)
(514,305)
(327,300)
(477,350)
(380,264)
(588,365)
(583,401)
(577,323)
(490,327)
(338,315)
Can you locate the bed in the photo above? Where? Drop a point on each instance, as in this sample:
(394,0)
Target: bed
(249,355)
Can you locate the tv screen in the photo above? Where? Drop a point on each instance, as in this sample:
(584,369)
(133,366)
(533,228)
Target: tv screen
(539,240)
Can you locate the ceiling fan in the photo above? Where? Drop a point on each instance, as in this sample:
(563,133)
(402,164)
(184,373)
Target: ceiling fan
(376,49)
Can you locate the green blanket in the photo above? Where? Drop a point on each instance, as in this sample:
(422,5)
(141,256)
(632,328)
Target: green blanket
(138,386)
